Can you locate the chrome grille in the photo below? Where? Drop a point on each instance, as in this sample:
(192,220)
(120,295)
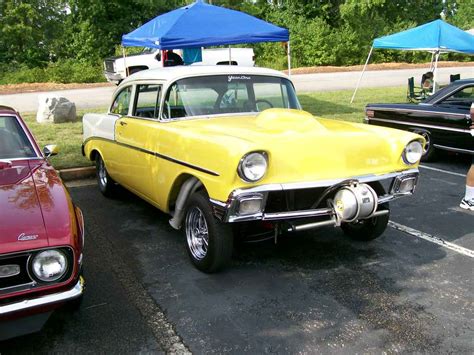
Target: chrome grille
(109,66)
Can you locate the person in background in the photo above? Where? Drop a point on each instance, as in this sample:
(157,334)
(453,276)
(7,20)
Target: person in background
(173,59)
(468,201)
(427,81)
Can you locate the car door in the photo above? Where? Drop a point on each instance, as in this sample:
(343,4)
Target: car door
(113,153)
(453,113)
(138,133)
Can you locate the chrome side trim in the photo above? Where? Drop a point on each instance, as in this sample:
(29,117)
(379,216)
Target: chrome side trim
(414,124)
(71,294)
(415,110)
(459,150)
(155,154)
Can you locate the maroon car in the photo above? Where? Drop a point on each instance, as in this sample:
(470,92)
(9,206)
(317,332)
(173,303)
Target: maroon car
(41,233)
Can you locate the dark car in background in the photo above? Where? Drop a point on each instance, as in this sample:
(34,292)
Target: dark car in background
(443,119)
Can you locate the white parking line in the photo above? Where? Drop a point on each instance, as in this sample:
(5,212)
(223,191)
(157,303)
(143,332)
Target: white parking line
(432,239)
(442,171)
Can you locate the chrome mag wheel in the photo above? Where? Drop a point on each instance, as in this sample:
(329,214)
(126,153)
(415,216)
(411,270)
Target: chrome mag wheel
(102,173)
(427,137)
(197,233)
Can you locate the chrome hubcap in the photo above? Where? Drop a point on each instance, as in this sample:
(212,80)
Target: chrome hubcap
(102,173)
(197,234)
(426,136)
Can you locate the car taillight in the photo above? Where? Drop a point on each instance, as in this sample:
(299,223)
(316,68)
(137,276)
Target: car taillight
(369,113)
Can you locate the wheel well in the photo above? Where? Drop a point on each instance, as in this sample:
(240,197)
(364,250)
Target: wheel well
(178,183)
(132,70)
(93,155)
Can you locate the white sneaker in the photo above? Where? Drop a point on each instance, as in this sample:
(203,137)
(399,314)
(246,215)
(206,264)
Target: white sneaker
(467,204)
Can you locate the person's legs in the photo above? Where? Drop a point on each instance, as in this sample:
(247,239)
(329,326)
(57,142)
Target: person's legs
(468,200)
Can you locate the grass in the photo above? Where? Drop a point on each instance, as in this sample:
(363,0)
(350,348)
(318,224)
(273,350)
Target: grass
(333,104)
(68,137)
(336,104)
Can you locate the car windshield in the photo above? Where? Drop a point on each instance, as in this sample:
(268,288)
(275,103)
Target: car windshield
(225,94)
(14,143)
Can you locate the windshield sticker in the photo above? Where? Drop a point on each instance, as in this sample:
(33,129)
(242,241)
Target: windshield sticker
(242,77)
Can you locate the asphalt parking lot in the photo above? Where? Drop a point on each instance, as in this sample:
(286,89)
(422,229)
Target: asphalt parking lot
(315,292)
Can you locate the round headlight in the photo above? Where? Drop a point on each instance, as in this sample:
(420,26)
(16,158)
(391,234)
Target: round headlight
(253,166)
(49,265)
(413,152)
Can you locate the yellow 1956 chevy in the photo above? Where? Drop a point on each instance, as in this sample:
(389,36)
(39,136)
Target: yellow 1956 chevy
(221,146)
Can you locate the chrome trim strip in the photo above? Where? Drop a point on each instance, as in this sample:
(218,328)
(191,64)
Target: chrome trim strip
(71,294)
(407,110)
(459,150)
(414,124)
(158,155)
(298,214)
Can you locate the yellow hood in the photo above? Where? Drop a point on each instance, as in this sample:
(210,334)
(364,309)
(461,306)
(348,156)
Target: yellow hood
(300,146)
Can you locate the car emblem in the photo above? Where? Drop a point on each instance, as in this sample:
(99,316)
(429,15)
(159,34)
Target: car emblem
(24,237)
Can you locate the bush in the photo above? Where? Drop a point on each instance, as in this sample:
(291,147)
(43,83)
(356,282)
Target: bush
(64,71)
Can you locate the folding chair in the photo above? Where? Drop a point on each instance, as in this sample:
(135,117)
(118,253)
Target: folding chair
(454,77)
(412,95)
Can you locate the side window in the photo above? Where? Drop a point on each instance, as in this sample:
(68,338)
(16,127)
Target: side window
(122,102)
(147,101)
(463,98)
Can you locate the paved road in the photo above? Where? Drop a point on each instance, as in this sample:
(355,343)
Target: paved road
(315,292)
(100,97)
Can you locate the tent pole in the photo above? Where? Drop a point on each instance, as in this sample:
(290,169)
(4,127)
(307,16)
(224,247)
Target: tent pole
(125,62)
(432,61)
(289,58)
(230,56)
(361,74)
(435,72)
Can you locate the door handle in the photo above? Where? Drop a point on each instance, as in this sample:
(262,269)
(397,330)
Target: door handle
(122,123)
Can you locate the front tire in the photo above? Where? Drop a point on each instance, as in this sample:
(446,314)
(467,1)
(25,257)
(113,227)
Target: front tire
(367,229)
(209,242)
(105,182)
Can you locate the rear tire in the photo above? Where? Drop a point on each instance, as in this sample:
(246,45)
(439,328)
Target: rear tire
(106,183)
(209,242)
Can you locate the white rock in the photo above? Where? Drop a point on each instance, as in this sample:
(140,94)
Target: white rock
(55,109)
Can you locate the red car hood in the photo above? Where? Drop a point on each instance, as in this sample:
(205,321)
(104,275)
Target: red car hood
(26,205)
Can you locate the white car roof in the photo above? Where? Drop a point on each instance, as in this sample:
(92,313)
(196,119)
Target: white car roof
(179,72)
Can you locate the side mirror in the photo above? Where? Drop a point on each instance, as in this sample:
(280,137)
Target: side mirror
(50,150)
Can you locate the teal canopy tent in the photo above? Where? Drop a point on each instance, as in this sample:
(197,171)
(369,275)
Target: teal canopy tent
(435,37)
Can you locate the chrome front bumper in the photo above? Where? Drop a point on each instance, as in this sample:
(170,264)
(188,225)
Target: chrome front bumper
(46,300)
(229,211)
(113,77)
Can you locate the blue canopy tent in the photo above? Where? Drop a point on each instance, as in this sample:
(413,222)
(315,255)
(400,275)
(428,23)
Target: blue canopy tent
(436,37)
(203,25)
